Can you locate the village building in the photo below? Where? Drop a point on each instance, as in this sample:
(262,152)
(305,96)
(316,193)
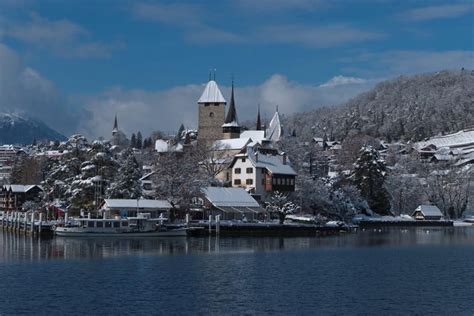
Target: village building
(119,138)
(449,148)
(428,213)
(231,204)
(211,114)
(261,173)
(131,207)
(13,196)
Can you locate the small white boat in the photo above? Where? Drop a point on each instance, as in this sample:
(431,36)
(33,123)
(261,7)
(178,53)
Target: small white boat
(140,226)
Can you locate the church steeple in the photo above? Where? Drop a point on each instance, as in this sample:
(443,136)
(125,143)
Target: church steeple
(259,121)
(231,127)
(231,113)
(115,129)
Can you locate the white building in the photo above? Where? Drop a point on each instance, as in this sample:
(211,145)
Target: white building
(262,173)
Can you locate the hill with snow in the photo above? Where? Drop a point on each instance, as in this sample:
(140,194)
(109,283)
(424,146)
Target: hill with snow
(406,108)
(18,129)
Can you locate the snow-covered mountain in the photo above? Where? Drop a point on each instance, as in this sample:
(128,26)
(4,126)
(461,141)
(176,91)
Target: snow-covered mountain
(408,108)
(19,129)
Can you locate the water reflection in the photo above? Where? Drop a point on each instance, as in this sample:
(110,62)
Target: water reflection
(25,248)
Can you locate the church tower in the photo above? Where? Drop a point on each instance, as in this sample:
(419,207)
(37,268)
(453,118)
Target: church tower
(211,114)
(231,127)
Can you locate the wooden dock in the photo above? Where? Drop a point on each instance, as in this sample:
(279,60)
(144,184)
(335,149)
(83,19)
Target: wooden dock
(420,223)
(25,223)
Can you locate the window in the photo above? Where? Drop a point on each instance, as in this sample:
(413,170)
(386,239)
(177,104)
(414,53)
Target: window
(249,181)
(292,181)
(263,170)
(274,181)
(90,224)
(211,114)
(116,224)
(147,186)
(263,181)
(278,181)
(216,104)
(108,224)
(243,159)
(249,170)
(237,182)
(100,224)
(124,224)
(237,170)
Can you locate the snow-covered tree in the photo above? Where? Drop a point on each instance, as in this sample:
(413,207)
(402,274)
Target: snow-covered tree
(139,142)
(178,178)
(280,204)
(126,183)
(369,177)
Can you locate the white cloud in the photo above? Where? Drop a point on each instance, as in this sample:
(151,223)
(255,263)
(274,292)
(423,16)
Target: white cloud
(437,12)
(342,80)
(166,110)
(190,18)
(280,5)
(317,36)
(392,63)
(25,91)
(62,37)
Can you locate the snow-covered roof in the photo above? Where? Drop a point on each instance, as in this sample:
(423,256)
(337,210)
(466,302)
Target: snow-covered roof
(231,124)
(20,188)
(142,204)
(273,163)
(222,197)
(256,136)
(231,144)
(459,139)
(274,128)
(429,210)
(163,146)
(211,94)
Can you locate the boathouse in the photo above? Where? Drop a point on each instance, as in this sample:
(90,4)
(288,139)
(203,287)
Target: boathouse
(427,212)
(131,207)
(231,204)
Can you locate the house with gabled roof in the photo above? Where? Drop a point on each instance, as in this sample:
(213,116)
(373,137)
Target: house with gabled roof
(13,196)
(262,172)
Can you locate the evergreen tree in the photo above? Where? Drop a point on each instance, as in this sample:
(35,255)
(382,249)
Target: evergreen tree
(139,143)
(369,177)
(126,184)
(179,135)
(133,141)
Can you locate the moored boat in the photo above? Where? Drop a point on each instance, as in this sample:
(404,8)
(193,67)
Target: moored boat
(140,226)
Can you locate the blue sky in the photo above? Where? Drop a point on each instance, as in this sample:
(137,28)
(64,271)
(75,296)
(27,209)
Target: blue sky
(96,58)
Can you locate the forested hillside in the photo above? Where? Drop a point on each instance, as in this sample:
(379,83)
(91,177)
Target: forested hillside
(405,108)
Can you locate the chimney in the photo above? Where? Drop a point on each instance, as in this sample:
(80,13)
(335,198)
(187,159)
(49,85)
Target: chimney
(284,158)
(256,156)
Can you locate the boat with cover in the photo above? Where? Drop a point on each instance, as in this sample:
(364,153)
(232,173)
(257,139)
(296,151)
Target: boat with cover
(140,226)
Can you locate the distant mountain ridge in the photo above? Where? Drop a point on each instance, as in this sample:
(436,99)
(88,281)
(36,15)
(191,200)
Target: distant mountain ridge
(405,108)
(19,129)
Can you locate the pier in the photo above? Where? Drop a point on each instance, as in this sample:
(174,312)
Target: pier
(31,223)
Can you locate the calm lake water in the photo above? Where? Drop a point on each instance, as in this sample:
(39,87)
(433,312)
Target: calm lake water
(402,272)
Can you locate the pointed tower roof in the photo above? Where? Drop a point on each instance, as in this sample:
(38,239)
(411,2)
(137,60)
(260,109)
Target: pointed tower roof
(259,121)
(115,125)
(211,94)
(231,118)
(274,130)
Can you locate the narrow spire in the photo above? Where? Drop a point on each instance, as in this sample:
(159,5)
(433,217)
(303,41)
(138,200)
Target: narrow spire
(231,113)
(115,122)
(215,74)
(210,73)
(259,122)
(277,108)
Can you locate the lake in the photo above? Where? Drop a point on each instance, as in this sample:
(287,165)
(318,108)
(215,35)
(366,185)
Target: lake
(397,271)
